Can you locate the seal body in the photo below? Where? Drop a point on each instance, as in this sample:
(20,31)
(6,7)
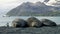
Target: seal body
(34,22)
(47,22)
(19,23)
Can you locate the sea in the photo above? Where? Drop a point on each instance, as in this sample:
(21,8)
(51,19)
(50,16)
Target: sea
(5,20)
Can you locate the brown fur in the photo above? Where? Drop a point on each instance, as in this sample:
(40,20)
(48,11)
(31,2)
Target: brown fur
(19,23)
(34,22)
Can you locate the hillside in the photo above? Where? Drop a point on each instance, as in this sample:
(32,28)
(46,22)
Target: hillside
(34,9)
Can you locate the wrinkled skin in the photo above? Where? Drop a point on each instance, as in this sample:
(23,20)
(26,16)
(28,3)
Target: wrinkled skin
(19,23)
(34,22)
(47,22)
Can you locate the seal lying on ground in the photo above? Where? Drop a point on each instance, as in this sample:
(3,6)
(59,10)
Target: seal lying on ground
(19,23)
(34,22)
(47,22)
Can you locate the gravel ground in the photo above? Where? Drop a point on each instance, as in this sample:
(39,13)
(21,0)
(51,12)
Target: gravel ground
(42,30)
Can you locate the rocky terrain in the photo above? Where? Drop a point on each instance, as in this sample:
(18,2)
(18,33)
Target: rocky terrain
(41,30)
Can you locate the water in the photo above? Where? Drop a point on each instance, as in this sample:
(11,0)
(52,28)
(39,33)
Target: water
(5,20)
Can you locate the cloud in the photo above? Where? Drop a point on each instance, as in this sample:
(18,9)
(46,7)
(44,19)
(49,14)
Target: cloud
(52,1)
(7,1)
(6,5)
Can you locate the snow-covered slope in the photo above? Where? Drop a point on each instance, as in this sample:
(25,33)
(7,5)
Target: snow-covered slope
(55,3)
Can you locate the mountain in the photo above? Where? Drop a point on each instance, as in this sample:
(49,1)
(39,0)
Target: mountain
(55,3)
(32,9)
(46,1)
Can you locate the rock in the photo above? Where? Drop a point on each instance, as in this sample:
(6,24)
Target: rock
(19,23)
(34,22)
(47,22)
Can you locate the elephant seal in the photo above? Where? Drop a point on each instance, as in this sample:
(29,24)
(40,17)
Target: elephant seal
(47,22)
(34,22)
(19,23)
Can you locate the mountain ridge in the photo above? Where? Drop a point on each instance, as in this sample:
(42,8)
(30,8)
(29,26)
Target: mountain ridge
(32,9)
